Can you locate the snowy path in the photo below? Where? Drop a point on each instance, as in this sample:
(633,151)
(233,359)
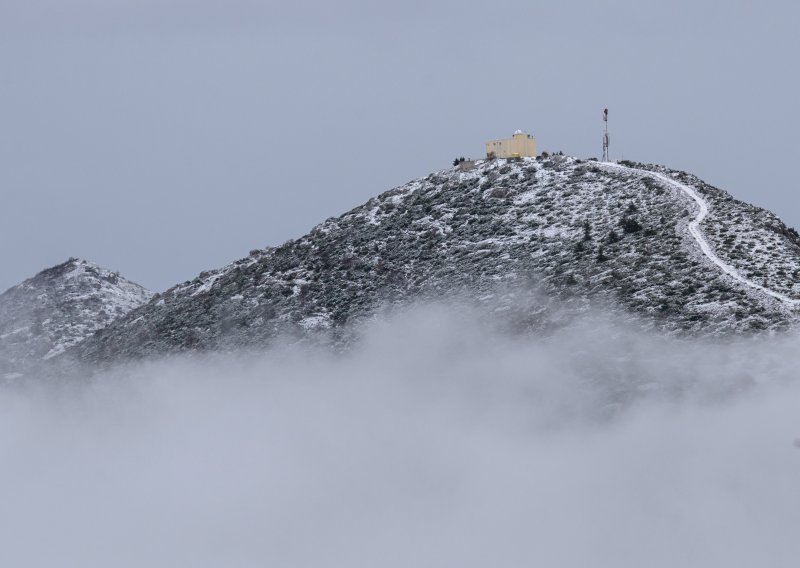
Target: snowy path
(697,234)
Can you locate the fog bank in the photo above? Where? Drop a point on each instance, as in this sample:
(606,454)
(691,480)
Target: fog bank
(437,442)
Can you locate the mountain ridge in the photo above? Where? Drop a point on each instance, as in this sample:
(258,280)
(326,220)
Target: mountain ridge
(583,231)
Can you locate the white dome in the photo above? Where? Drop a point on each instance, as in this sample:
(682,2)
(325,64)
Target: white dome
(518,132)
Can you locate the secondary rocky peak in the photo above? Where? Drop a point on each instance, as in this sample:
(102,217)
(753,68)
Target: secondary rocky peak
(58,308)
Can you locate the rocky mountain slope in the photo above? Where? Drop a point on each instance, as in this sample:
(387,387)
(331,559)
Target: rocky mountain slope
(58,308)
(677,254)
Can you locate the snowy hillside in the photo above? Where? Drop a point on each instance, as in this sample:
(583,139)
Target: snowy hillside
(58,308)
(673,252)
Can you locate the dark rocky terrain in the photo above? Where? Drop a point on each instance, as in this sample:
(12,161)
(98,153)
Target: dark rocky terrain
(505,234)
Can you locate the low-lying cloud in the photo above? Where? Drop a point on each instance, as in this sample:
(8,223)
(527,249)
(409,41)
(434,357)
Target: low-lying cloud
(438,441)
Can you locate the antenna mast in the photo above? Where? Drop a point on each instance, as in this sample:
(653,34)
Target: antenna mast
(605,135)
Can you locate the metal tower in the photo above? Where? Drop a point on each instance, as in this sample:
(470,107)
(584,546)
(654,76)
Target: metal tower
(605,135)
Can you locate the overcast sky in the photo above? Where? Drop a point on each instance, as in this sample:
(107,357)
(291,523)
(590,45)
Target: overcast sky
(164,137)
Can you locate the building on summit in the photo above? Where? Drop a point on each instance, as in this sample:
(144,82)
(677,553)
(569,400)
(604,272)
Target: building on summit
(520,145)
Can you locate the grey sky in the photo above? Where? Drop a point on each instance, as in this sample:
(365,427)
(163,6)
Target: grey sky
(164,137)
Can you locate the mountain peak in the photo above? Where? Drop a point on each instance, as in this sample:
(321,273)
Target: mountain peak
(672,252)
(76,268)
(58,308)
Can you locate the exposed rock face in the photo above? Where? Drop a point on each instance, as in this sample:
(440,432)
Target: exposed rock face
(57,309)
(580,230)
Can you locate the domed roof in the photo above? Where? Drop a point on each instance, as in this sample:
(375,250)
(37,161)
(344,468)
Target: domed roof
(518,132)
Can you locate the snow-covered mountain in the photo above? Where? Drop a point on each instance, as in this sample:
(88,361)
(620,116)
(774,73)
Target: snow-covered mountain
(58,308)
(674,252)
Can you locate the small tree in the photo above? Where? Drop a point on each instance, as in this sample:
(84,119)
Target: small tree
(630,225)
